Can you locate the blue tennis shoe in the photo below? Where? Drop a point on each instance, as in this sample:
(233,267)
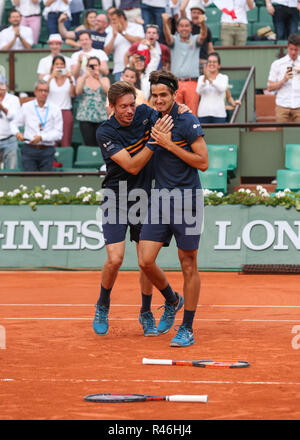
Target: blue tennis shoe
(168,317)
(100,323)
(146,319)
(184,337)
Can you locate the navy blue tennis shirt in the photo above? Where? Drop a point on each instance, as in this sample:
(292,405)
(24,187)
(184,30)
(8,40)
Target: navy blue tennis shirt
(169,170)
(113,137)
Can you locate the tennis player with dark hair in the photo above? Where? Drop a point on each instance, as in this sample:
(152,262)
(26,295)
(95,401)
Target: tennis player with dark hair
(179,155)
(122,140)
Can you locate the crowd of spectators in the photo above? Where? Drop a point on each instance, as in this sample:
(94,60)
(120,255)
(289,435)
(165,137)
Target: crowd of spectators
(137,37)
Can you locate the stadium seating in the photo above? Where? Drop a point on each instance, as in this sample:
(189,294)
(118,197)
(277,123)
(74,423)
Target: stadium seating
(264,16)
(236,87)
(88,157)
(214,179)
(223,157)
(213,15)
(288,179)
(292,156)
(215,28)
(252,15)
(65,156)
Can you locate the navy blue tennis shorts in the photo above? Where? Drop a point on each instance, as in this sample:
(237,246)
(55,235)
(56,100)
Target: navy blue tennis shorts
(167,219)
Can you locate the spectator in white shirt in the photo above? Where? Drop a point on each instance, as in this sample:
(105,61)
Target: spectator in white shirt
(285,15)
(16,37)
(234,30)
(43,128)
(2,7)
(31,15)
(55,43)
(9,108)
(284,79)
(123,35)
(211,88)
(80,58)
(61,91)
(151,14)
(52,11)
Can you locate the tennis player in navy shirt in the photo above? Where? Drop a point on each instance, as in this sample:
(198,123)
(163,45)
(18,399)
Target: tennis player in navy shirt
(128,159)
(176,207)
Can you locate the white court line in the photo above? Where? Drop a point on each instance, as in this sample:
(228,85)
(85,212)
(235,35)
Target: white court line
(153,305)
(110,319)
(135,319)
(203,382)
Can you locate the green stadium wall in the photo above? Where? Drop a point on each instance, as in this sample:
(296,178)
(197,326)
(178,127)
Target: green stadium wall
(70,237)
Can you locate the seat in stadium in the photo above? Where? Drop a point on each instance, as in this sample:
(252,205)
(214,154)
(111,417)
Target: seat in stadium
(264,16)
(213,15)
(292,156)
(224,157)
(252,15)
(260,25)
(64,155)
(88,157)
(214,179)
(288,179)
(236,87)
(215,28)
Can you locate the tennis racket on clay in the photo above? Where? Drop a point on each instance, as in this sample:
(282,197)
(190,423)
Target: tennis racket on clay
(198,363)
(121,398)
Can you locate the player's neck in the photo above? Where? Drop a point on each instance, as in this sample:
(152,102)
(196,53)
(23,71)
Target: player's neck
(168,111)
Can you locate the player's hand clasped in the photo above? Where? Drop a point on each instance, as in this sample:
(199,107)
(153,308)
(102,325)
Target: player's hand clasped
(161,131)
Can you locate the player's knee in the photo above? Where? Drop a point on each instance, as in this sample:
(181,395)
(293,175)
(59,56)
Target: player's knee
(115,261)
(188,265)
(145,263)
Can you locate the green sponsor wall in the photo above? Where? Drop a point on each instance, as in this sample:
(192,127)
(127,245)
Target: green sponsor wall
(71,237)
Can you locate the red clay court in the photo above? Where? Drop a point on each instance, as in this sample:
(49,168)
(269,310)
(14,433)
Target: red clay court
(52,358)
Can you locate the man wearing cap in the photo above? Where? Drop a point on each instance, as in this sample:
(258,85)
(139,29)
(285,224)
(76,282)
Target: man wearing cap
(55,43)
(16,37)
(9,108)
(43,128)
(185,52)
